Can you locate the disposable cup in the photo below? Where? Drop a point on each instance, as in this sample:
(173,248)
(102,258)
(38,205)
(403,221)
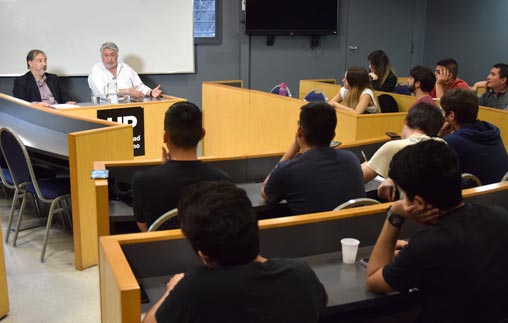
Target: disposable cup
(349,250)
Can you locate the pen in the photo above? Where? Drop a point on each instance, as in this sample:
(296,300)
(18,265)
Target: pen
(364,157)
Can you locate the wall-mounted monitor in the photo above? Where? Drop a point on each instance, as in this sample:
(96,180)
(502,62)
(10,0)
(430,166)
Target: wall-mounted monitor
(291,17)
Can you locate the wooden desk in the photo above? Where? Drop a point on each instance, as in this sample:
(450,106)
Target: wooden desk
(124,258)
(248,122)
(77,142)
(495,116)
(4,294)
(153,110)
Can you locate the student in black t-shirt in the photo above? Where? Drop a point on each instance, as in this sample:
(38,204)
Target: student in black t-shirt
(235,284)
(156,190)
(459,262)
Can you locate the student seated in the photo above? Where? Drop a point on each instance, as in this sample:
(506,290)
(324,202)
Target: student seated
(420,82)
(320,178)
(496,85)
(356,95)
(156,190)
(458,263)
(478,143)
(422,122)
(446,78)
(235,283)
(382,76)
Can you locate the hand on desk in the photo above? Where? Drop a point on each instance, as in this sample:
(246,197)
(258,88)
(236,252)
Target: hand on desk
(174,281)
(156,92)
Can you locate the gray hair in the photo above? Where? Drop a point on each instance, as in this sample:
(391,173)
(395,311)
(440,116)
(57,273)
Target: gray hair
(109,45)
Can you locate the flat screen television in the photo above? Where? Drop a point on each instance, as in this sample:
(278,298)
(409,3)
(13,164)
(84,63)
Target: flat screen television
(291,17)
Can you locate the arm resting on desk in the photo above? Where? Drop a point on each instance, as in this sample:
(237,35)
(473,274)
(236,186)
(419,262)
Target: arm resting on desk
(150,315)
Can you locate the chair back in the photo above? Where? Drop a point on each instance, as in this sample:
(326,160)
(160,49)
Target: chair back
(363,201)
(18,160)
(163,219)
(5,174)
(402,89)
(505,177)
(275,90)
(387,103)
(470,181)
(315,95)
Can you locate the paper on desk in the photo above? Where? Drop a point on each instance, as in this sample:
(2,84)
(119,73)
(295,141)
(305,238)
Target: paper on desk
(64,106)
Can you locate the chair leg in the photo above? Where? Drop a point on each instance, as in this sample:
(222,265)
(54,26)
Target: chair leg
(20,215)
(11,215)
(48,226)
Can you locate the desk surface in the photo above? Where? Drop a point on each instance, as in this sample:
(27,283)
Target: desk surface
(344,283)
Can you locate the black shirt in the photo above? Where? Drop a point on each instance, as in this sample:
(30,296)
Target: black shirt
(459,264)
(278,290)
(156,190)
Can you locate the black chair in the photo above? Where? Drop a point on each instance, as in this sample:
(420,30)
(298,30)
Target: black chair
(470,181)
(315,95)
(54,191)
(363,201)
(387,103)
(166,218)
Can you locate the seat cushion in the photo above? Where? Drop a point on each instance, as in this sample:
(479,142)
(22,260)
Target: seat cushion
(8,177)
(52,188)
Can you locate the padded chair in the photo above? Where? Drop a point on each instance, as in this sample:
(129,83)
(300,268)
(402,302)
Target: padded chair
(470,181)
(162,220)
(402,89)
(275,90)
(54,191)
(315,95)
(363,201)
(387,103)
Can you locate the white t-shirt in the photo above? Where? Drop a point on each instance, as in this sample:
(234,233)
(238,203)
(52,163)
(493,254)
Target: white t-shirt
(126,77)
(370,109)
(380,161)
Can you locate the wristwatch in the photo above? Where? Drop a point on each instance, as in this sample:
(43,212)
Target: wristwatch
(395,219)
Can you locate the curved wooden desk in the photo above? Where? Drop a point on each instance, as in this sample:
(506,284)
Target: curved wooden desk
(314,237)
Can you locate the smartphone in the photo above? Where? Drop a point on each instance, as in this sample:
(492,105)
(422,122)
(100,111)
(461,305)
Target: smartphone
(364,261)
(334,143)
(99,173)
(393,135)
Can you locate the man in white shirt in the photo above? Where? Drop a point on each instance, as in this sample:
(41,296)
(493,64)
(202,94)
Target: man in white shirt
(109,76)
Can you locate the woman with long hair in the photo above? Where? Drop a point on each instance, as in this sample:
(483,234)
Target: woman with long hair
(383,77)
(356,95)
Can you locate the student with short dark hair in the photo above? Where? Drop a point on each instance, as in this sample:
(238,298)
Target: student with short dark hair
(421,81)
(496,87)
(422,122)
(320,178)
(458,262)
(156,190)
(235,284)
(446,77)
(478,143)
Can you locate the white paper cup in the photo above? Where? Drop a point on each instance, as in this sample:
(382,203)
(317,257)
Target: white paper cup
(349,250)
(96,99)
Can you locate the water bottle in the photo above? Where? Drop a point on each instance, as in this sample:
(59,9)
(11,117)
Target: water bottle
(111,92)
(283,90)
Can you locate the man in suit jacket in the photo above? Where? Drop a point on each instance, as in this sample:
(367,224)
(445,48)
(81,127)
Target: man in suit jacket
(36,85)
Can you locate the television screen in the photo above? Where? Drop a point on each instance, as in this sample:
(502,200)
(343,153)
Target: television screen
(291,17)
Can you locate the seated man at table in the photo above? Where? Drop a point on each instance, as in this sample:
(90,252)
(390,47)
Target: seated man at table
(478,143)
(38,86)
(423,122)
(458,263)
(446,78)
(495,95)
(236,284)
(320,178)
(421,81)
(109,76)
(156,190)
